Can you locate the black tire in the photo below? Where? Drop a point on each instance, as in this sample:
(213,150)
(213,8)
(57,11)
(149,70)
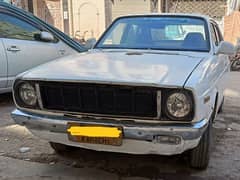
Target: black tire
(220,110)
(199,156)
(61,148)
(235,65)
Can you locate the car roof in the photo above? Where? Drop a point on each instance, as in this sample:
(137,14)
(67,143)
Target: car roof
(65,38)
(195,15)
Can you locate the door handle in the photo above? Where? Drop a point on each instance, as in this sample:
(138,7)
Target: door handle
(62,51)
(13,49)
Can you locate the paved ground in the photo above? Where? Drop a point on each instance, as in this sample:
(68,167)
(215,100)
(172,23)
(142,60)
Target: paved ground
(42,163)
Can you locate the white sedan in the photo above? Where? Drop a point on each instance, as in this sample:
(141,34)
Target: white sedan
(152,84)
(25,42)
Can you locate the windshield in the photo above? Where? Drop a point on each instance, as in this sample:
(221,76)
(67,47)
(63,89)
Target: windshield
(160,32)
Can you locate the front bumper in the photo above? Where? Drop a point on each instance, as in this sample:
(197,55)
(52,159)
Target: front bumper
(139,138)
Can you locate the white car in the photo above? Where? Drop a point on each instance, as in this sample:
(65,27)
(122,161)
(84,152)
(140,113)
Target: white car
(145,88)
(25,42)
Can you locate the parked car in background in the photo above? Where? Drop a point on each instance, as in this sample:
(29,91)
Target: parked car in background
(141,90)
(26,41)
(235,60)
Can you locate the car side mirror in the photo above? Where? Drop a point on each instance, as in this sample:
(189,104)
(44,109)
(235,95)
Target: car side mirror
(46,36)
(90,43)
(225,48)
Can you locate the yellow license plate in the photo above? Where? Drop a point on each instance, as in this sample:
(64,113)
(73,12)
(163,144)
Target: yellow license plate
(95,134)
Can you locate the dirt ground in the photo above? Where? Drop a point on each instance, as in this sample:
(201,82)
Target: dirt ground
(42,163)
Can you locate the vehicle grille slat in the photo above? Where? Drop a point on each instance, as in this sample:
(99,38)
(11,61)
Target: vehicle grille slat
(99,99)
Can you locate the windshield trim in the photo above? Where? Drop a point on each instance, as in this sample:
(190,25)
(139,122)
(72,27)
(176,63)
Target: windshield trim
(206,27)
(160,49)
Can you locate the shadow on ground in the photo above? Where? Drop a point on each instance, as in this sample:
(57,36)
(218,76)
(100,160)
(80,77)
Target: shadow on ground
(148,166)
(6,99)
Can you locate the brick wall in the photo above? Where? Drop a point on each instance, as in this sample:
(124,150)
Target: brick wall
(232,27)
(50,11)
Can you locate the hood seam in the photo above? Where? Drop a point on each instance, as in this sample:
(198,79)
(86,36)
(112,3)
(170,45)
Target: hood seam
(185,82)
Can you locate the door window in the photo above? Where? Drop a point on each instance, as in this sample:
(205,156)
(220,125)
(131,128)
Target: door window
(219,34)
(214,35)
(14,28)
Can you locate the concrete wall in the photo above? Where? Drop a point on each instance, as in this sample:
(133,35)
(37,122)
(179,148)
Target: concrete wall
(233,5)
(19,3)
(88,17)
(124,7)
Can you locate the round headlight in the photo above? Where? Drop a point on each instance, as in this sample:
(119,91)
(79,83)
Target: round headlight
(179,105)
(27,94)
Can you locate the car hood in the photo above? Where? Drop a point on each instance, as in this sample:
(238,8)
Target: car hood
(140,68)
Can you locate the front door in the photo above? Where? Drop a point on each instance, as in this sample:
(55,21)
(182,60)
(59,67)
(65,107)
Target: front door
(3,66)
(24,51)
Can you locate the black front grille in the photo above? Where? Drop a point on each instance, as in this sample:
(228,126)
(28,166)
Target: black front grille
(99,99)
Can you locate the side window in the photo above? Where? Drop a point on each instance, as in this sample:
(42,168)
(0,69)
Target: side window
(214,36)
(219,34)
(14,28)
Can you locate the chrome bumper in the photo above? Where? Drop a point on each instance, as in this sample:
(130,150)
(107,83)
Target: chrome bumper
(139,138)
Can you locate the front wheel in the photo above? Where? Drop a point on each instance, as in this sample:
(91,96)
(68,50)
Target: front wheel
(220,110)
(199,156)
(235,65)
(61,148)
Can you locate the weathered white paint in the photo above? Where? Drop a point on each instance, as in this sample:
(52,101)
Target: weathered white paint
(150,68)
(202,73)
(3,66)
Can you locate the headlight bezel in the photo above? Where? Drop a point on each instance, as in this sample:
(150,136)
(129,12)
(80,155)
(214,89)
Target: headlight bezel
(168,115)
(17,97)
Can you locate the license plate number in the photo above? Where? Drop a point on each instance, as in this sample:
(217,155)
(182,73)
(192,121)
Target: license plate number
(95,134)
